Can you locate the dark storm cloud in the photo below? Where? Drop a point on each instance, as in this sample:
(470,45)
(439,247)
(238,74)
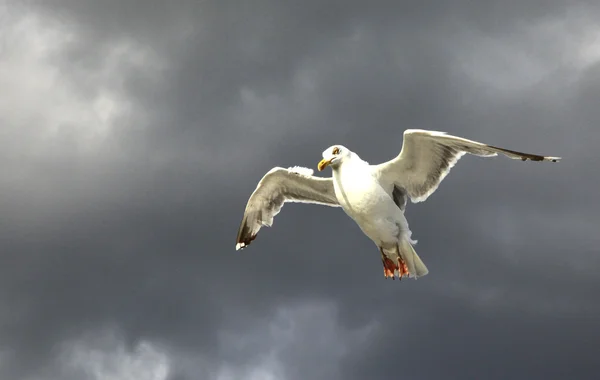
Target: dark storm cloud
(139,237)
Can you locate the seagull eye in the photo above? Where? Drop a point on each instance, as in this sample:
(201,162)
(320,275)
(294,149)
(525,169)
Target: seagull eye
(336,150)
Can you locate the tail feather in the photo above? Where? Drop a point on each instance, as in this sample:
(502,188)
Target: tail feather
(415,265)
(402,260)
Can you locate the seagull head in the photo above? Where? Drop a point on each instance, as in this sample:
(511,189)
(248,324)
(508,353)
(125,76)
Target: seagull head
(334,156)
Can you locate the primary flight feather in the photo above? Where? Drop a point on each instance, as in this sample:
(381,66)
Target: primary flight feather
(374,196)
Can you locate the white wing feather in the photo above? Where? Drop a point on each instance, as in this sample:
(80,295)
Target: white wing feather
(427,157)
(279,185)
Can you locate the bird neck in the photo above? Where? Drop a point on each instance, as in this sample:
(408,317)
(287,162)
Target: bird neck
(353,164)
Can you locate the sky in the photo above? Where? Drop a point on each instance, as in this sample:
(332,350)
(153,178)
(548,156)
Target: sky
(133,132)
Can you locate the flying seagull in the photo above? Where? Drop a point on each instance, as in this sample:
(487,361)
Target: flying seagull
(374,196)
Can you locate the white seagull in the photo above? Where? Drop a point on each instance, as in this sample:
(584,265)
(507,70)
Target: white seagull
(374,196)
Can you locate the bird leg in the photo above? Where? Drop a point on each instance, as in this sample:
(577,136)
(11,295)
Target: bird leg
(389,267)
(402,267)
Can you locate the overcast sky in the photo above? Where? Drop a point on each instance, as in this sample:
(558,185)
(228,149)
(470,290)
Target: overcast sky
(133,132)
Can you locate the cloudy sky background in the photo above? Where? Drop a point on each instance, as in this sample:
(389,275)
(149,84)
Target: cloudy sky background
(132,133)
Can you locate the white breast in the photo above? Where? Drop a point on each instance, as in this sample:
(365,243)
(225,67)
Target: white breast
(358,191)
(364,200)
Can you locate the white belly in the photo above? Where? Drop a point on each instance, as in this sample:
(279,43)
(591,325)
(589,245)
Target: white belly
(371,207)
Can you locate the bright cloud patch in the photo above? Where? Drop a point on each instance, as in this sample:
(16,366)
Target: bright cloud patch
(42,110)
(291,340)
(106,358)
(551,49)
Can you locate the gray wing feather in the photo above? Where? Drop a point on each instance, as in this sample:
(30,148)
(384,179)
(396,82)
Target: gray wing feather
(427,157)
(278,186)
(399,197)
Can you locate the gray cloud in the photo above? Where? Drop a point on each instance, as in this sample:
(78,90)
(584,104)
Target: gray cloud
(134,132)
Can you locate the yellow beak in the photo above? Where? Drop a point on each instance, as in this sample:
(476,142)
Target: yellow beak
(324,163)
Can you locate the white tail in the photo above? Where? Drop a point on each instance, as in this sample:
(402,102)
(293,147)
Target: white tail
(415,265)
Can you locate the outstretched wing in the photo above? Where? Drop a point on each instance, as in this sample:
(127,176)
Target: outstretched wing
(278,186)
(427,157)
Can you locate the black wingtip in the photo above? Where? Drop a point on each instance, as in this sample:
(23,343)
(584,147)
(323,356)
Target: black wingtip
(245,236)
(527,156)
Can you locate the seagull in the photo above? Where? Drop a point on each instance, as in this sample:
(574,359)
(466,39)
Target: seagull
(374,196)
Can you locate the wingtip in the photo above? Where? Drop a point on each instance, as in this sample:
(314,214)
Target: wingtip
(531,157)
(239,246)
(547,158)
